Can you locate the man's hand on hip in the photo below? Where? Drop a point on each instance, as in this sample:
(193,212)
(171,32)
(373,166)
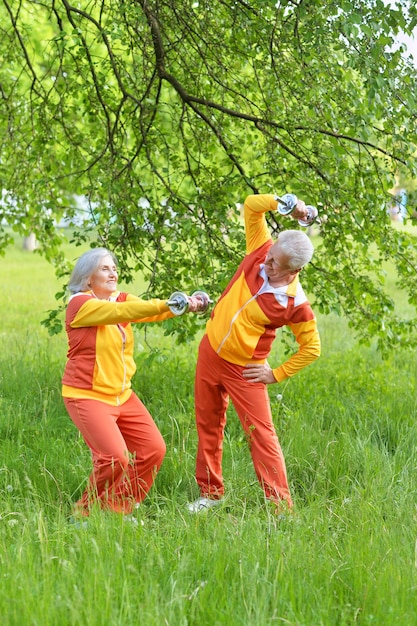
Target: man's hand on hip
(259,373)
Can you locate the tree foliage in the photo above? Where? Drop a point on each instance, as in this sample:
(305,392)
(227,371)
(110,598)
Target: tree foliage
(165,114)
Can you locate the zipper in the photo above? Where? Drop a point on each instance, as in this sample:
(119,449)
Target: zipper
(234,318)
(123,334)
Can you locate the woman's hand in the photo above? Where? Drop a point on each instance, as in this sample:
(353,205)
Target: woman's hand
(196,304)
(199,302)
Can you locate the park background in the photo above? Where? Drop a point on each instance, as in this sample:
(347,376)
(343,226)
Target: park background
(347,425)
(155,119)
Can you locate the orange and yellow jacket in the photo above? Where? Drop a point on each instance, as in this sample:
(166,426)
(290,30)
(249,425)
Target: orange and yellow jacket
(243,323)
(100,344)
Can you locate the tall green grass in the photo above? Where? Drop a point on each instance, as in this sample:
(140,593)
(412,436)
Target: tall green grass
(347,556)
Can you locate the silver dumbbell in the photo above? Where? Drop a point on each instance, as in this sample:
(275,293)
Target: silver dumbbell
(178,302)
(287,204)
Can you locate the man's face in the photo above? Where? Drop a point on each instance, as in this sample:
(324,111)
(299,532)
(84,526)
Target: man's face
(276,267)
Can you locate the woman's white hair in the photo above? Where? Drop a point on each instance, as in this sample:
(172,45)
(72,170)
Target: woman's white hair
(86,265)
(297,247)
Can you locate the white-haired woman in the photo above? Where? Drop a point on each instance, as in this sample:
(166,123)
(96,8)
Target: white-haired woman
(126,446)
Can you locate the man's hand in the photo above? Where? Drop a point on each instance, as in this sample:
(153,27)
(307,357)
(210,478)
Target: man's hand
(300,212)
(258,373)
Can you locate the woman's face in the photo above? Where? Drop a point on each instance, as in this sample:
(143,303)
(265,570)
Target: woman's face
(104,280)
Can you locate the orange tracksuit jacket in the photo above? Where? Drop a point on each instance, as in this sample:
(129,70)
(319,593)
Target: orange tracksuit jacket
(100,362)
(243,324)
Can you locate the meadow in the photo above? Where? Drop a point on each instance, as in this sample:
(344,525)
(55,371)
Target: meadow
(347,425)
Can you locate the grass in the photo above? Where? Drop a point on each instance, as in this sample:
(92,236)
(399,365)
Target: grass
(348,429)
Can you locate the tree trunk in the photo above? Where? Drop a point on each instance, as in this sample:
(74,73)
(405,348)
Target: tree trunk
(29,243)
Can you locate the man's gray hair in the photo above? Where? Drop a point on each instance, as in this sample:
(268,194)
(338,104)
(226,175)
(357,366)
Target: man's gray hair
(297,246)
(86,265)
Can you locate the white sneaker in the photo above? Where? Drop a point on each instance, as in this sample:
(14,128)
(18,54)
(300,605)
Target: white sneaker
(77,522)
(202,504)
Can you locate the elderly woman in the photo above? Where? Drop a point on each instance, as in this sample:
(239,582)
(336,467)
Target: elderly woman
(126,445)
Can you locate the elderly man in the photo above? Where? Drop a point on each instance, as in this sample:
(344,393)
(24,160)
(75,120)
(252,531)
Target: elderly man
(263,295)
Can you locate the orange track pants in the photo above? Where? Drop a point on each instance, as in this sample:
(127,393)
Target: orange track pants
(216,381)
(127,451)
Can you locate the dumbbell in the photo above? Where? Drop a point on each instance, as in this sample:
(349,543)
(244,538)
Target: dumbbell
(179,302)
(287,204)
